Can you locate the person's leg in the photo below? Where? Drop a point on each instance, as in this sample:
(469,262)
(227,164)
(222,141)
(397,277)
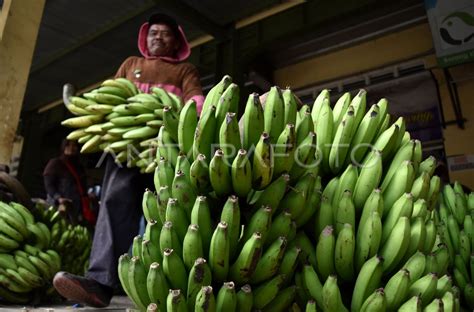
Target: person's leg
(117,224)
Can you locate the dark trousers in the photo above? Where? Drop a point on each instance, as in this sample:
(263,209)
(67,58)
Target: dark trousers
(118,220)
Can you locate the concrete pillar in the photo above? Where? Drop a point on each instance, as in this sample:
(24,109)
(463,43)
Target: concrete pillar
(19,25)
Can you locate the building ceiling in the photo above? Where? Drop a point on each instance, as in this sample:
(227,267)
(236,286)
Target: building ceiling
(83,41)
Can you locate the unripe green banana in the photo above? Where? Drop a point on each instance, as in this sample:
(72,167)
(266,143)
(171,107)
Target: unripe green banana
(199,277)
(201,216)
(469,295)
(205,301)
(395,246)
(259,222)
(245,299)
(184,192)
(324,216)
(137,276)
(167,148)
(280,226)
(175,213)
(305,158)
(219,252)
(401,183)
(231,215)
(403,207)
(312,283)
(186,126)
(266,292)
(205,133)
(192,246)
(312,204)
(219,174)
(375,302)
(368,239)
(162,201)
(367,281)
(157,285)
(344,253)
(411,305)
(169,238)
(369,179)
(448,301)
(431,233)
(290,262)
(228,102)
(199,174)
(308,251)
(347,181)
(284,150)
(425,287)
(417,155)
(444,284)
(303,126)
(417,236)
(253,120)
(274,114)
(213,96)
(364,134)
(262,163)
(332,299)
(342,140)
(242,269)
(165,172)
(291,106)
(170,121)
(82,121)
(272,195)
(325,129)
(326,246)
(176,302)
(294,201)
(241,174)
(270,261)
(345,212)
(229,136)
(318,104)
(340,108)
(420,209)
(464,246)
(137,246)
(311,306)
(150,206)
(174,270)
(396,289)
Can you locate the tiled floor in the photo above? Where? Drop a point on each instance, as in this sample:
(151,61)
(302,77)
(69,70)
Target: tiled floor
(118,304)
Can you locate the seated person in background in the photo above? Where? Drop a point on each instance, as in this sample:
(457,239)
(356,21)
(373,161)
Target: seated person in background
(65,183)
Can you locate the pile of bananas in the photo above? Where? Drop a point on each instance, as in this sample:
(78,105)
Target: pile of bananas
(118,119)
(72,242)
(27,261)
(456,212)
(259,215)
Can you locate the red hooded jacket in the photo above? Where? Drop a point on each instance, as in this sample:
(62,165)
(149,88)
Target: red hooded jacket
(172,74)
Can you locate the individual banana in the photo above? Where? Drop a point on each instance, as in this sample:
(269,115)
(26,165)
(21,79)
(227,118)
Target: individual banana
(396,289)
(367,281)
(175,213)
(228,103)
(245,298)
(169,238)
(220,174)
(242,269)
(340,108)
(266,292)
(199,174)
(157,285)
(192,246)
(241,174)
(342,140)
(411,305)
(326,246)
(229,137)
(369,179)
(324,127)
(253,123)
(395,246)
(187,123)
(123,268)
(290,105)
(174,270)
(219,252)
(364,134)
(199,277)
(262,163)
(259,222)
(205,300)
(176,302)
(204,133)
(213,96)
(375,302)
(344,253)
(201,216)
(226,298)
(284,150)
(425,287)
(183,191)
(270,261)
(274,114)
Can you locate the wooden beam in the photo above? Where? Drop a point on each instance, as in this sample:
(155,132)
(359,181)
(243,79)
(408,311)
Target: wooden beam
(16,53)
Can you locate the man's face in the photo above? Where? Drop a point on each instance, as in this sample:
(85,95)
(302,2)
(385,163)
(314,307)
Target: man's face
(71,149)
(161,40)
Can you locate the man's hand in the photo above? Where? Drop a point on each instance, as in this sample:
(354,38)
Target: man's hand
(6,194)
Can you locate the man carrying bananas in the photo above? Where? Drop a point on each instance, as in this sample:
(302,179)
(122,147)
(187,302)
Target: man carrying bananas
(164,48)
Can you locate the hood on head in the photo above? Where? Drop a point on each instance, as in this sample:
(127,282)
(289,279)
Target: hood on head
(181,55)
